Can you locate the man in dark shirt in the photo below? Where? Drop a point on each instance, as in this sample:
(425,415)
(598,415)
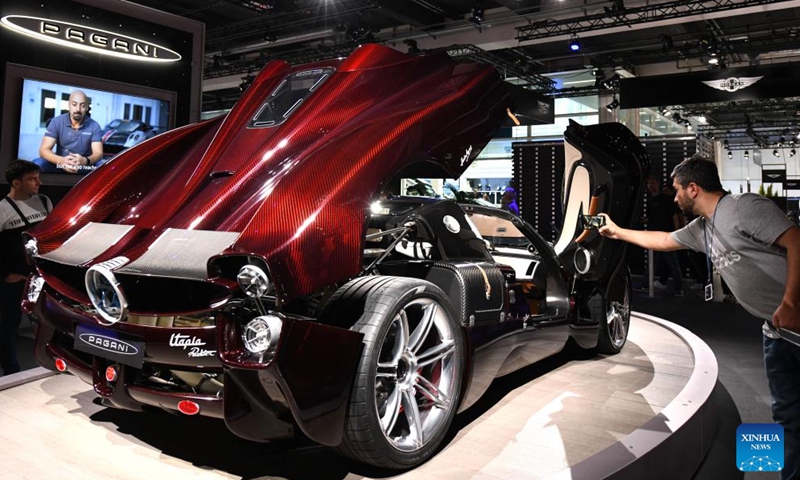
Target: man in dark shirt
(19,211)
(77,138)
(662,215)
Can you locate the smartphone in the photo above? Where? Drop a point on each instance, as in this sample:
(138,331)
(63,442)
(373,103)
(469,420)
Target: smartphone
(592,221)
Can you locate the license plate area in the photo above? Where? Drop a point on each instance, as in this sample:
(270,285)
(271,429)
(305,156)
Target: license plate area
(110,344)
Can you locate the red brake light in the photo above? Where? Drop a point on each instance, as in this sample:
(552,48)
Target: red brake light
(61,365)
(188,407)
(111,373)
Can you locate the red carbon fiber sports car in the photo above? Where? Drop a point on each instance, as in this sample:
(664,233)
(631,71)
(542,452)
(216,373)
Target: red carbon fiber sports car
(246,268)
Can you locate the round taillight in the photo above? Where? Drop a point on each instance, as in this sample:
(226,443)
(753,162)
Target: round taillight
(253,281)
(111,373)
(261,334)
(188,407)
(61,365)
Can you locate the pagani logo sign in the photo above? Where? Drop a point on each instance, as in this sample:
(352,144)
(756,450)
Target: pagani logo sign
(89,39)
(733,84)
(108,344)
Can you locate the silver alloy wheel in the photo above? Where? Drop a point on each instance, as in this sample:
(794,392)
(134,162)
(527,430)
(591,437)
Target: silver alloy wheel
(416,375)
(617,317)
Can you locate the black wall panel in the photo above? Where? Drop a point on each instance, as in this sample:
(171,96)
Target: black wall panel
(665,153)
(538,173)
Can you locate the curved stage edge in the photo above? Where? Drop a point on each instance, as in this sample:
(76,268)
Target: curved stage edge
(647,412)
(675,442)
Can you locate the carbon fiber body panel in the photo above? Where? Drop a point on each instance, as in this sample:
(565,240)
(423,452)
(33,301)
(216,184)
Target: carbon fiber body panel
(88,243)
(181,253)
(477,289)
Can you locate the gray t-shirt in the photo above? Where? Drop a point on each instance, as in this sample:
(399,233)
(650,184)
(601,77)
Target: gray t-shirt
(740,242)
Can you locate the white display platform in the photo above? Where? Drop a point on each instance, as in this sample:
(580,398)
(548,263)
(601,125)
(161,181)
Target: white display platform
(644,413)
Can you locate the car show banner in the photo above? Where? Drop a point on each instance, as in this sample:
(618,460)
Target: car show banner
(710,86)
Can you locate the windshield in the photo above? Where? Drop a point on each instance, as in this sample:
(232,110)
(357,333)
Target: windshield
(288,95)
(127,126)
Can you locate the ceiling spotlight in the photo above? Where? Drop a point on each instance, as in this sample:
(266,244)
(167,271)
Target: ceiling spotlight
(666,42)
(713,60)
(730,154)
(746,154)
(611,106)
(246,82)
(574,43)
(617,8)
(612,82)
(477,13)
(776,153)
(792,152)
(413,47)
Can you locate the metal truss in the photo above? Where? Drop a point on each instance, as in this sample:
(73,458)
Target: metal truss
(783,39)
(573,92)
(530,80)
(234,68)
(308,55)
(296,57)
(769,134)
(280,22)
(753,108)
(632,16)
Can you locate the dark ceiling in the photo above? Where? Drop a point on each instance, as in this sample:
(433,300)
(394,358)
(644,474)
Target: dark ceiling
(523,38)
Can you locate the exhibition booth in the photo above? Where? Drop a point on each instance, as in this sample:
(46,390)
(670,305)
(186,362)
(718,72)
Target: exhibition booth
(164,288)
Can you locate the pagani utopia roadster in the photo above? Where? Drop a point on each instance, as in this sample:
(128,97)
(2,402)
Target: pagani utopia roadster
(248,268)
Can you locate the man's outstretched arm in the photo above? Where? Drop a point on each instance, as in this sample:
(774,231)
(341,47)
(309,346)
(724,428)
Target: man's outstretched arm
(660,241)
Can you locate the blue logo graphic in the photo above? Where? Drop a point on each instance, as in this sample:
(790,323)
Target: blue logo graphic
(759,447)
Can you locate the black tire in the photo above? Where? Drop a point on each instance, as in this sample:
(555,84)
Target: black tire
(614,318)
(401,409)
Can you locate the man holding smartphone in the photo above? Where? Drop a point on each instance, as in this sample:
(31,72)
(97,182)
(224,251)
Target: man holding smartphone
(756,250)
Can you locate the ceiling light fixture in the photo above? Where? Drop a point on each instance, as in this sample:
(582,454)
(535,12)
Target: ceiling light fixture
(792,152)
(477,13)
(617,8)
(612,82)
(746,154)
(730,154)
(574,43)
(776,153)
(246,82)
(413,46)
(613,105)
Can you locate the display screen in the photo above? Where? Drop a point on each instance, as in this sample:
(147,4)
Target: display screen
(124,120)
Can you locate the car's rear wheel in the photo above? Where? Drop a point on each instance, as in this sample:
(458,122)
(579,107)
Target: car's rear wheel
(406,391)
(614,317)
